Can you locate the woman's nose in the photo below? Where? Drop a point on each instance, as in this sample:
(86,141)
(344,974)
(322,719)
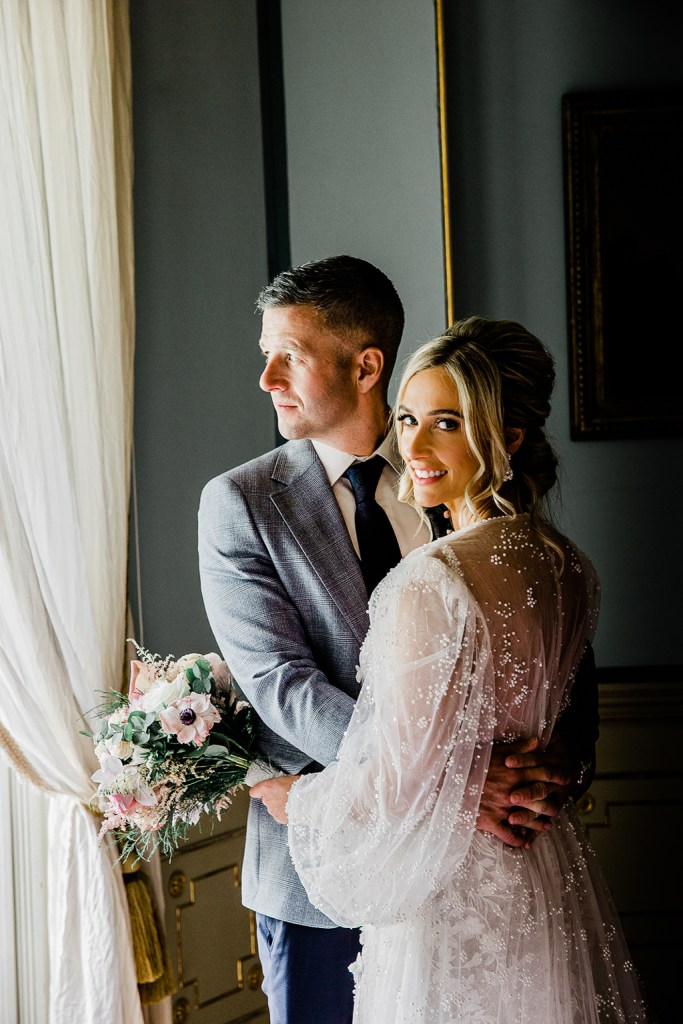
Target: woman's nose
(414,443)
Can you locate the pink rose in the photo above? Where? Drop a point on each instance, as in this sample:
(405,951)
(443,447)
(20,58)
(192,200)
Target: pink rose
(176,667)
(142,677)
(220,671)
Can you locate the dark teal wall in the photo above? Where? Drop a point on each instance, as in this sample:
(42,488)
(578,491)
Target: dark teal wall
(200,252)
(508,65)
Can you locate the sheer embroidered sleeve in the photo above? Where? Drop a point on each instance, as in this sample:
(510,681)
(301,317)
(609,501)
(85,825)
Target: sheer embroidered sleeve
(386,824)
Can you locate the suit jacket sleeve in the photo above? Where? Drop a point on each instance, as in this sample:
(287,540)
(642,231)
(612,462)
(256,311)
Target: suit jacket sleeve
(579,723)
(261,635)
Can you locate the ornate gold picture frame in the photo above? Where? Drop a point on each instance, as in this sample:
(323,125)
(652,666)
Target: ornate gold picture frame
(623,167)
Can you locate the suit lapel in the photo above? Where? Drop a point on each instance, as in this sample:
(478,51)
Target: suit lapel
(311,513)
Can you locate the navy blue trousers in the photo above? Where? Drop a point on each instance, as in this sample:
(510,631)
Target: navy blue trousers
(306,971)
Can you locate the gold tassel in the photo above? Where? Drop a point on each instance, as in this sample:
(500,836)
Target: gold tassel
(155,991)
(152,962)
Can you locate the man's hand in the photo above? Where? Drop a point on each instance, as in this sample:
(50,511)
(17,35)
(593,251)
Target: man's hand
(524,789)
(274,793)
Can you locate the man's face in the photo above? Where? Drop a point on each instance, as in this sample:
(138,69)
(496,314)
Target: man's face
(310,374)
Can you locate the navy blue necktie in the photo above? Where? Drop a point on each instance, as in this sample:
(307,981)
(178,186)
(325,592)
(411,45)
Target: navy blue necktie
(379,550)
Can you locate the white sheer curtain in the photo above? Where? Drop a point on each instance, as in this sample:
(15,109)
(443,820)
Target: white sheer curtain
(66,352)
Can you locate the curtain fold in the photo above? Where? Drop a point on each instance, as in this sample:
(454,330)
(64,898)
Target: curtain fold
(66,359)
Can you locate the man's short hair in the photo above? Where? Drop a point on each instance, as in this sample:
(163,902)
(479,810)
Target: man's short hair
(351,295)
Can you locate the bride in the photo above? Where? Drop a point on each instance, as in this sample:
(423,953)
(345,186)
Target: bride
(474,639)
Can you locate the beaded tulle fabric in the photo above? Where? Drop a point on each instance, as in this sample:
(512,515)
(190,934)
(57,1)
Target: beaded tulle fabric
(473,638)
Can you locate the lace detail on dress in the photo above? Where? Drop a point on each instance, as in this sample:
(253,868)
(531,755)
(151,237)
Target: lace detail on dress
(473,638)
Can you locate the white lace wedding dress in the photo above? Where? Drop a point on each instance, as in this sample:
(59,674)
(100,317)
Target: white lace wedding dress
(473,638)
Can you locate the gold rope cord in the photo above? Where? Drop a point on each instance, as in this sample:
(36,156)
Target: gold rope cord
(21,764)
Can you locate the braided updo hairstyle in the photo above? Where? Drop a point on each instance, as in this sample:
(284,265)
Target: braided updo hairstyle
(505,377)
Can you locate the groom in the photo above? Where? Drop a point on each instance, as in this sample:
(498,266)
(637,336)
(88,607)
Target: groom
(284,590)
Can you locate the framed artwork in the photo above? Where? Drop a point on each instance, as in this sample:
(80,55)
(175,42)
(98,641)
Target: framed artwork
(623,196)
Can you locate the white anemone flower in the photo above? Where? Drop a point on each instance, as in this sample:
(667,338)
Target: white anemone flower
(190,718)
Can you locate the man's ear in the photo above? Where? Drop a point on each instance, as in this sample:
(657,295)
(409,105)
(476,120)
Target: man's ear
(513,438)
(369,366)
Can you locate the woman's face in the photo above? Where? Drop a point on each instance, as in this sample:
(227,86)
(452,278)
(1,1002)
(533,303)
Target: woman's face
(432,440)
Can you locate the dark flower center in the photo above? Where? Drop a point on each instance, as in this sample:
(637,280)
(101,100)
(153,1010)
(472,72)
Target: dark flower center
(187,716)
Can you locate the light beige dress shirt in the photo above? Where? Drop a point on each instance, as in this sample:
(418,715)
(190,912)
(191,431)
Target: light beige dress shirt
(410,532)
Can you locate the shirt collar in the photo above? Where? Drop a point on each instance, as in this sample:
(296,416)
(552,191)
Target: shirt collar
(335,462)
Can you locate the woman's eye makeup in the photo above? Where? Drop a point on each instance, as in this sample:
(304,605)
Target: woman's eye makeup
(444,423)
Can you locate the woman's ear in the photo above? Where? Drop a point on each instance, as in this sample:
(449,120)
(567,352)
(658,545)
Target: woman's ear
(370,364)
(513,438)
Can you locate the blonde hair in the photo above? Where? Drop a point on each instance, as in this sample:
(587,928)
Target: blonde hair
(504,376)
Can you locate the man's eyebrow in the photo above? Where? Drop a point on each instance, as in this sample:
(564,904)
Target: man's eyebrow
(283,343)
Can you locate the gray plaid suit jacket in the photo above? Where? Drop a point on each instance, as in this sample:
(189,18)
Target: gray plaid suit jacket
(287,605)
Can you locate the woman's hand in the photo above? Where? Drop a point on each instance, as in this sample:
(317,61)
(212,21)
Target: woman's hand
(274,793)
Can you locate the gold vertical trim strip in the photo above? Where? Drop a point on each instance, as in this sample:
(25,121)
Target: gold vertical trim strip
(443,145)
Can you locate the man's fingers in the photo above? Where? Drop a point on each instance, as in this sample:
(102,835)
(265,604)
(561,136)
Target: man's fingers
(508,835)
(530,793)
(542,771)
(539,797)
(522,747)
(539,774)
(526,818)
(522,760)
(517,818)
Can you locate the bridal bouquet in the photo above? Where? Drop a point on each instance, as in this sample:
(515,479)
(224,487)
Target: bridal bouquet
(177,745)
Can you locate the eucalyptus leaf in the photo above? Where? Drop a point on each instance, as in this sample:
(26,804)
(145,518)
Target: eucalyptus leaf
(216,751)
(199,751)
(201,685)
